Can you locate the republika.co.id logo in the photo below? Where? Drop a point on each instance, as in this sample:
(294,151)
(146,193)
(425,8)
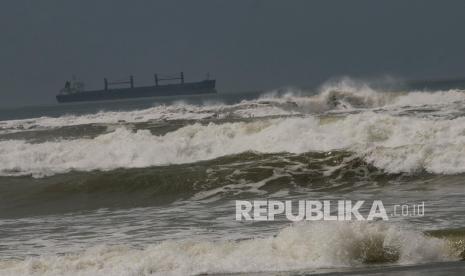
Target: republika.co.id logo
(340,210)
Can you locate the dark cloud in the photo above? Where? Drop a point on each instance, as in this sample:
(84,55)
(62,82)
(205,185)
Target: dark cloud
(244,44)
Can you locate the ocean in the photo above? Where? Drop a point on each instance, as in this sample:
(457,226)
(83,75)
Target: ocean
(149,186)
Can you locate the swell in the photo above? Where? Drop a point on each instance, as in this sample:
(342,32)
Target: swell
(246,174)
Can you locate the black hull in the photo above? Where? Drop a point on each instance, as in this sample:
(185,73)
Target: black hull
(193,88)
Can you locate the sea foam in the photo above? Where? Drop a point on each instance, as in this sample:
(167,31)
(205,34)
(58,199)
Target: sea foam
(392,143)
(297,247)
(342,95)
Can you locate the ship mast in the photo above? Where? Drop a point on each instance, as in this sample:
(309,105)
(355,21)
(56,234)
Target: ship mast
(169,78)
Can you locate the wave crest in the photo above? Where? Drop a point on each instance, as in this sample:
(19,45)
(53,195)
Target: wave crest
(342,95)
(394,144)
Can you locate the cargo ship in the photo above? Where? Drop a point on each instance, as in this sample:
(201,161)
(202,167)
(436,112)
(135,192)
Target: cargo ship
(74,90)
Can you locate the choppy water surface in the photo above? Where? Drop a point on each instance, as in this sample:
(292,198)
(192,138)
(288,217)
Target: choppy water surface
(151,189)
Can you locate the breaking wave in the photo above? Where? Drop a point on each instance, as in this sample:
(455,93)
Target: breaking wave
(354,94)
(344,95)
(391,143)
(176,111)
(298,247)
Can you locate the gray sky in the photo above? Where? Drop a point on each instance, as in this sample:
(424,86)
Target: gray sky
(245,45)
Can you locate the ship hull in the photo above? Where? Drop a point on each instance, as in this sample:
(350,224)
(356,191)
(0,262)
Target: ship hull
(193,88)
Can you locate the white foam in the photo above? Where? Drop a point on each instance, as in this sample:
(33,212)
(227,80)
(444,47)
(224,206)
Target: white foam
(298,247)
(395,144)
(344,94)
(418,98)
(176,111)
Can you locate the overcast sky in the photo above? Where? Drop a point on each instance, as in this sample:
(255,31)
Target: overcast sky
(245,45)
